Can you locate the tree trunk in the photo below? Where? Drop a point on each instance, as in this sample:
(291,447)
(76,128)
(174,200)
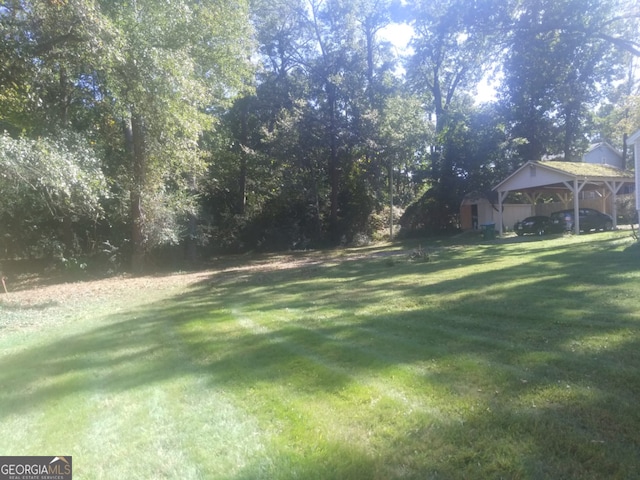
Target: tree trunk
(570,129)
(191,250)
(334,167)
(67,222)
(134,133)
(191,247)
(244,140)
(67,235)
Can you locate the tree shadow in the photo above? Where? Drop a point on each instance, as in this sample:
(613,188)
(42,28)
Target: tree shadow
(536,384)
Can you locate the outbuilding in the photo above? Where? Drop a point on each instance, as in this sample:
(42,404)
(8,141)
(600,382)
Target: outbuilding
(478,209)
(567,181)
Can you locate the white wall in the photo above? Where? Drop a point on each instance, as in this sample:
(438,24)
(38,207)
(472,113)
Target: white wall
(603,155)
(637,160)
(595,203)
(634,140)
(512,213)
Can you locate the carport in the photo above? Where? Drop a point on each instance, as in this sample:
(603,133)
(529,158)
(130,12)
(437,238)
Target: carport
(565,180)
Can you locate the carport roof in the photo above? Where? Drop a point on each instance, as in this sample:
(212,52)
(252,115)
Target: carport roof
(554,174)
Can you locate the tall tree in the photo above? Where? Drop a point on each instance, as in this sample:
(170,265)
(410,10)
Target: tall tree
(50,51)
(325,74)
(169,65)
(456,44)
(158,69)
(563,57)
(619,116)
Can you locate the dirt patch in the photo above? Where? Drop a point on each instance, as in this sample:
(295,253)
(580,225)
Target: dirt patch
(40,294)
(31,290)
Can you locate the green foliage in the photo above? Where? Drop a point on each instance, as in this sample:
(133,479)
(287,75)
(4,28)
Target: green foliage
(324,127)
(284,223)
(45,182)
(431,213)
(626,209)
(619,116)
(167,70)
(51,51)
(357,204)
(562,60)
(456,43)
(64,171)
(281,123)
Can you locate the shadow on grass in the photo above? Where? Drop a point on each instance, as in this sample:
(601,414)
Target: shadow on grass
(539,360)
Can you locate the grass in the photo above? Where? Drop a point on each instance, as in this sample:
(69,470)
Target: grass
(505,359)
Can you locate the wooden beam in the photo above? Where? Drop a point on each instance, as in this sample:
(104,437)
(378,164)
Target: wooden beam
(614,187)
(576,208)
(501,197)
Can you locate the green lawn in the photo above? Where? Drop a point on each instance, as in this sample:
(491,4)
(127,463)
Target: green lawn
(504,359)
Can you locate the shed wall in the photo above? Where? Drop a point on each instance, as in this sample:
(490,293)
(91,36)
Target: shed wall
(513,212)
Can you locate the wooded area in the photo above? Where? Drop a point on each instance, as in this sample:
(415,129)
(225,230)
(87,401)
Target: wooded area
(131,128)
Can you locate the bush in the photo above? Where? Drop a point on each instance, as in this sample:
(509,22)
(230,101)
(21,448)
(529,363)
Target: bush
(429,214)
(626,209)
(379,222)
(282,225)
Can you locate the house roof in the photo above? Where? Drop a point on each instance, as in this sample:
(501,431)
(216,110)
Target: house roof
(555,173)
(595,146)
(590,170)
(632,138)
(592,147)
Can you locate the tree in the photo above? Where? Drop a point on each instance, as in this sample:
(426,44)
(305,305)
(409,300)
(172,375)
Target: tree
(152,69)
(402,140)
(43,183)
(316,112)
(619,116)
(47,89)
(49,52)
(563,58)
(456,44)
(167,69)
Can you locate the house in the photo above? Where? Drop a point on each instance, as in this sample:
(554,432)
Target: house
(604,154)
(634,141)
(601,153)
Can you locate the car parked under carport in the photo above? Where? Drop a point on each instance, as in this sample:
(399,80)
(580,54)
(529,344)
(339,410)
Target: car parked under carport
(537,225)
(590,219)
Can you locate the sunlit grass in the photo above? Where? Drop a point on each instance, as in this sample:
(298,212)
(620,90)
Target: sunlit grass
(491,360)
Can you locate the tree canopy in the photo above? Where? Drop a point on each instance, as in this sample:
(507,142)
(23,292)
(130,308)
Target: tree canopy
(211,125)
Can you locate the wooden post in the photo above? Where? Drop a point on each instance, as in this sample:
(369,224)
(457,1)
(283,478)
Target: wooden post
(390,200)
(634,140)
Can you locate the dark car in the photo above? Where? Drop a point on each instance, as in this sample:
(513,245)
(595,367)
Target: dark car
(538,225)
(590,219)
